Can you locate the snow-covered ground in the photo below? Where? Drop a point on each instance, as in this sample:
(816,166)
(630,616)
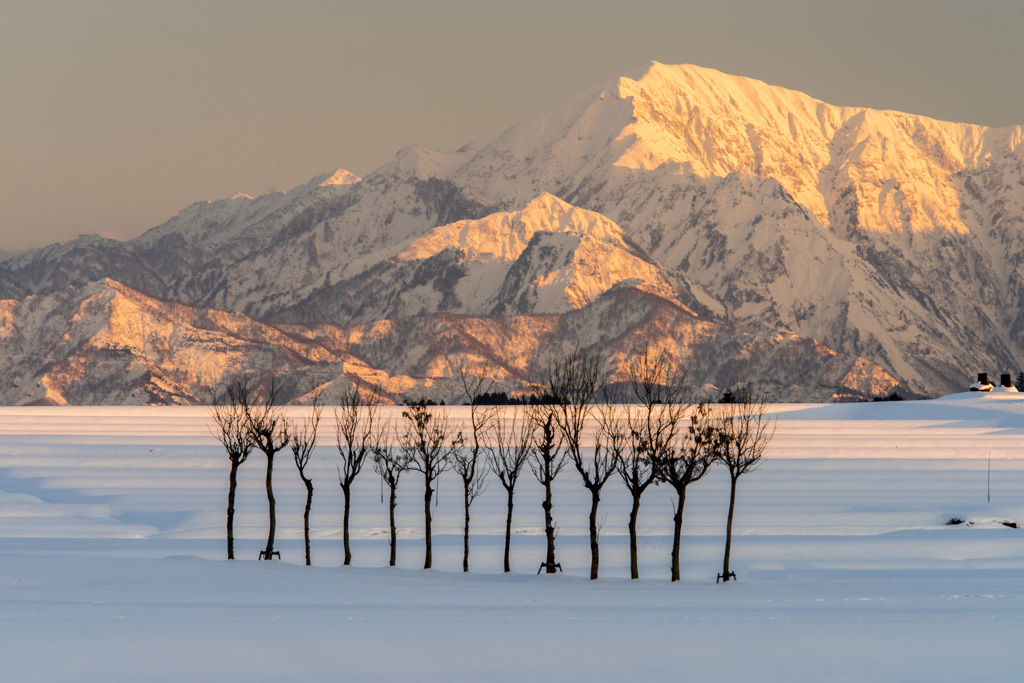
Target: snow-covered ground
(113,568)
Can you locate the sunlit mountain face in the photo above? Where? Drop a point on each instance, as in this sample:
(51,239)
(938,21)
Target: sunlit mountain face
(831,252)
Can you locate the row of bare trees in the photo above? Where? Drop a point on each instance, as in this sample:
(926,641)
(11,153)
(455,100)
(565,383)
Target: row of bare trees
(643,429)
(245,420)
(650,433)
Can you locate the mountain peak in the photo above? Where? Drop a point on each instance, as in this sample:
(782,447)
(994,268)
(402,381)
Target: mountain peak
(340,177)
(503,236)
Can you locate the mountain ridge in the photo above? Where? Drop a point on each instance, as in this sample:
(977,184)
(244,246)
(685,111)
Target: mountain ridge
(107,342)
(884,235)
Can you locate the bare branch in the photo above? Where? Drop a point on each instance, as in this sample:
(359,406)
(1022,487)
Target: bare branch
(303,435)
(746,429)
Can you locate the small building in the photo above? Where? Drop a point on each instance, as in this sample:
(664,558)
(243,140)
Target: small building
(1005,383)
(982,384)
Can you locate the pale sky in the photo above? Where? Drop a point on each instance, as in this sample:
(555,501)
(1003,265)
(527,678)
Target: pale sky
(116,114)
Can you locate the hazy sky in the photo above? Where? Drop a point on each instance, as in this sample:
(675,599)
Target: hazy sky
(114,115)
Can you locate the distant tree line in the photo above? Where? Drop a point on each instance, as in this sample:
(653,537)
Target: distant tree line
(500,398)
(646,431)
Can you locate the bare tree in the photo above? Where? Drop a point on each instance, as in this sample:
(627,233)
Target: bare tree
(673,437)
(513,438)
(303,442)
(746,431)
(471,462)
(637,472)
(653,426)
(546,461)
(573,383)
(229,418)
(389,463)
(684,463)
(360,433)
(429,442)
(268,430)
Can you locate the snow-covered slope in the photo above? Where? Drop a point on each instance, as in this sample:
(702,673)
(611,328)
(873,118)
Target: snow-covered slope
(547,257)
(881,234)
(112,524)
(106,343)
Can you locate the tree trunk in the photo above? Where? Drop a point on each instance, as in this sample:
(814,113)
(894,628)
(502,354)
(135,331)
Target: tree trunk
(268,553)
(595,498)
(232,485)
(508,532)
(347,491)
(394,531)
(677,532)
(465,534)
(549,528)
(427,494)
(728,528)
(634,568)
(305,517)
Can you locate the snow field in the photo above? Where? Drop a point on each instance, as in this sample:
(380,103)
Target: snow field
(112,525)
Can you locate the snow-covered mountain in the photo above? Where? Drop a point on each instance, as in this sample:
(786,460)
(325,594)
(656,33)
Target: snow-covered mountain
(107,343)
(548,257)
(892,237)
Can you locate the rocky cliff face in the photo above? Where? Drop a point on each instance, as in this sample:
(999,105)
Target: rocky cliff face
(882,235)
